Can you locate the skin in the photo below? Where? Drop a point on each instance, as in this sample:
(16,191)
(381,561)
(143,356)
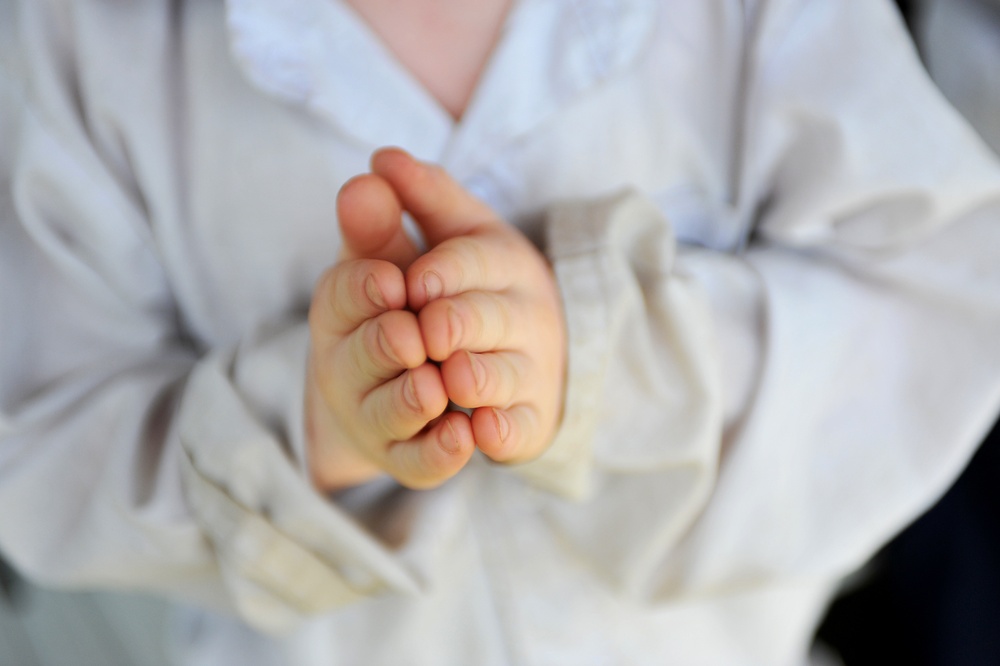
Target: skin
(395,334)
(444,44)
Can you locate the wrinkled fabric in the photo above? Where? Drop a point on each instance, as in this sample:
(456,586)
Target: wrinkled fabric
(777,250)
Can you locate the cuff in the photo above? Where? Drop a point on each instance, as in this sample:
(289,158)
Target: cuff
(592,277)
(284,550)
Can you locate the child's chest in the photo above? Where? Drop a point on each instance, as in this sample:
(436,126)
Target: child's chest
(443,44)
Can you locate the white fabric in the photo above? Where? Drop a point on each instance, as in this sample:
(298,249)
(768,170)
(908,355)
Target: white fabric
(778,252)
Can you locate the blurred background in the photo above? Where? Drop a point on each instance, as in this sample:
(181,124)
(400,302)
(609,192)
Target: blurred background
(931,597)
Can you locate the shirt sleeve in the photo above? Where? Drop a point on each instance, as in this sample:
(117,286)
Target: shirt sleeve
(129,456)
(778,412)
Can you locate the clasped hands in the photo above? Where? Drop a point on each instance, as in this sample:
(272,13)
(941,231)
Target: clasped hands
(395,334)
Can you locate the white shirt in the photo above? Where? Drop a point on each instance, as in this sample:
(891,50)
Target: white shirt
(777,249)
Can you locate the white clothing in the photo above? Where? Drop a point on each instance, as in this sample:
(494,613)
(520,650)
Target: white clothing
(781,350)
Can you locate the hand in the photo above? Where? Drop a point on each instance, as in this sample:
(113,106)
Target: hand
(372,398)
(489,311)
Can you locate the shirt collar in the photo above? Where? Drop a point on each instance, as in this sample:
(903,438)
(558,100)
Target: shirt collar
(318,54)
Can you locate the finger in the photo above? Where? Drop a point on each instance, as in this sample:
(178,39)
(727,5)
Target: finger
(490,260)
(434,456)
(476,321)
(352,292)
(510,435)
(401,407)
(477,380)
(381,348)
(371,222)
(440,206)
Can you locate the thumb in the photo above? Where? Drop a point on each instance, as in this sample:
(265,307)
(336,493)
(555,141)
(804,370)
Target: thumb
(438,204)
(371,222)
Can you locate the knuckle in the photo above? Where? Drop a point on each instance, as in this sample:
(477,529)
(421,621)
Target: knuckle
(503,325)
(460,322)
(383,419)
(397,412)
(449,259)
(466,257)
(342,296)
(410,469)
(355,284)
(506,382)
(479,260)
(382,422)
(470,258)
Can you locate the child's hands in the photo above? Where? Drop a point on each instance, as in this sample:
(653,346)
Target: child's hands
(489,311)
(370,391)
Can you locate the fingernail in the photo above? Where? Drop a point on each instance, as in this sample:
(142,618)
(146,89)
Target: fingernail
(432,285)
(454,328)
(385,347)
(449,438)
(503,425)
(410,394)
(373,292)
(478,372)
